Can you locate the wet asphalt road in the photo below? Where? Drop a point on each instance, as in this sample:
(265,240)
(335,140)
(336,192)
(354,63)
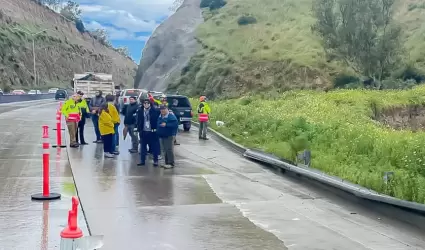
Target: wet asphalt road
(213,199)
(25,224)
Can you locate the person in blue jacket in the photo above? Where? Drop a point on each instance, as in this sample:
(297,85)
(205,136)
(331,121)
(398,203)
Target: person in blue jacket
(147,122)
(166,128)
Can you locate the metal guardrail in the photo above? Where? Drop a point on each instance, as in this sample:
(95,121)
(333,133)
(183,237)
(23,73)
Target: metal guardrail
(320,177)
(24,97)
(335,182)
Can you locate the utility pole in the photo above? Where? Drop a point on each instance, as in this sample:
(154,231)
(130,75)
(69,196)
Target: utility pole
(33,35)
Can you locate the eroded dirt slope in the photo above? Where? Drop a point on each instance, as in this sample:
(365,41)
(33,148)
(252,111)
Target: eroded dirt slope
(60,52)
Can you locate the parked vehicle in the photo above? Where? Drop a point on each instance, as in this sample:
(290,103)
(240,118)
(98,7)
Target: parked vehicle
(61,94)
(34,92)
(18,92)
(124,98)
(53,90)
(181,107)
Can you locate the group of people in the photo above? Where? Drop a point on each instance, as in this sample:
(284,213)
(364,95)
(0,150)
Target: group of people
(156,125)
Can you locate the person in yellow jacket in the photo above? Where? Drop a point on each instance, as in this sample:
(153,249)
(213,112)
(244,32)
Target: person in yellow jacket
(84,111)
(106,128)
(113,112)
(72,114)
(204,111)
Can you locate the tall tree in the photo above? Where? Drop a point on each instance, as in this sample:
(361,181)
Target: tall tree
(54,4)
(102,36)
(123,51)
(71,10)
(361,33)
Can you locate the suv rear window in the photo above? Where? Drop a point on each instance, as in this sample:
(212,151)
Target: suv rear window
(182,102)
(60,91)
(132,92)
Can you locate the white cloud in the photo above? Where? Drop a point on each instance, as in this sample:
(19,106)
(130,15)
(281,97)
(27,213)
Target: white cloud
(119,18)
(115,34)
(142,9)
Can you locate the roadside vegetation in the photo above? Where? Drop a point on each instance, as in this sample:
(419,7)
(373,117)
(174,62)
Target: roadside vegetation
(249,46)
(339,128)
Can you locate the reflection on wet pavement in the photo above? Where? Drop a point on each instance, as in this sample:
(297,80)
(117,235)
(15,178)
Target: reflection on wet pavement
(215,199)
(153,208)
(26,224)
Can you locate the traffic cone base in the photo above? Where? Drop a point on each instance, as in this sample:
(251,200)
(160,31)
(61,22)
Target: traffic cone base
(67,233)
(41,197)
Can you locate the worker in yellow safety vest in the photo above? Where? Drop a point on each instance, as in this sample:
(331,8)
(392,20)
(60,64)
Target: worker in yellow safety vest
(204,111)
(72,113)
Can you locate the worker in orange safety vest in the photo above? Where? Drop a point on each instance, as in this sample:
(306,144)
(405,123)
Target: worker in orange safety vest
(204,111)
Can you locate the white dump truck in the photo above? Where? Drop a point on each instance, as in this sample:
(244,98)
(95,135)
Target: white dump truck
(90,83)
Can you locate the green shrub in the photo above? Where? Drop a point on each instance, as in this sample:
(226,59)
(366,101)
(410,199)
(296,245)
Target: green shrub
(344,79)
(213,4)
(409,72)
(80,25)
(245,20)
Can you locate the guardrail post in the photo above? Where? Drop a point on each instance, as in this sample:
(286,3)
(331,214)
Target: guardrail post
(305,156)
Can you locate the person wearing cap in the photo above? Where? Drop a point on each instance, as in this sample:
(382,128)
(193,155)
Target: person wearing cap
(113,112)
(167,123)
(131,123)
(71,111)
(94,105)
(106,129)
(147,122)
(204,111)
(84,110)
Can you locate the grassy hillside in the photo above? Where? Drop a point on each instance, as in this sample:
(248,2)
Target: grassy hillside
(278,51)
(341,130)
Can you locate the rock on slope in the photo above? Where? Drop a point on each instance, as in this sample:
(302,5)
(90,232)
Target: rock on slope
(169,48)
(60,52)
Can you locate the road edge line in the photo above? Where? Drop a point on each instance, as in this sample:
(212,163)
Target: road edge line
(66,139)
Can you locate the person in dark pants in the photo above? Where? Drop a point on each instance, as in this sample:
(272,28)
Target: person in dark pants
(131,123)
(106,128)
(147,121)
(167,124)
(113,112)
(117,106)
(84,110)
(94,106)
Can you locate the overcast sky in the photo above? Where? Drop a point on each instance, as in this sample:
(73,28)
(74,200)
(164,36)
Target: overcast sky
(128,22)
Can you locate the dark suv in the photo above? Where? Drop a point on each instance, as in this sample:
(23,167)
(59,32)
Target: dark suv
(61,94)
(182,109)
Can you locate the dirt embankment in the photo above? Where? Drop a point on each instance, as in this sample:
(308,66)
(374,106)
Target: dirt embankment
(169,48)
(409,118)
(60,51)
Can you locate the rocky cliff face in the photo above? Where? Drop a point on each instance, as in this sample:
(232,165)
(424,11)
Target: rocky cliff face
(60,51)
(170,48)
